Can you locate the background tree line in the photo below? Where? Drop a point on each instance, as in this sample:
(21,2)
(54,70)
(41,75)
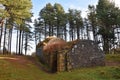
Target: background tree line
(102,24)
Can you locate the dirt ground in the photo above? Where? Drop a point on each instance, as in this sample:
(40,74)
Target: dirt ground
(24,60)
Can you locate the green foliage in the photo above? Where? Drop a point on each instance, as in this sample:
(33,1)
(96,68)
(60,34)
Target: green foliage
(92,20)
(16,14)
(107,14)
(75,22)
(108,17)
(54,19)
(17,10)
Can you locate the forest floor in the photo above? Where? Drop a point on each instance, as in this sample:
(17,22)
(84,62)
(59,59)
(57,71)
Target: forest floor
(13,67)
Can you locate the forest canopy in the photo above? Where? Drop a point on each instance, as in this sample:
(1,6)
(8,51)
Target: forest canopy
(102,24)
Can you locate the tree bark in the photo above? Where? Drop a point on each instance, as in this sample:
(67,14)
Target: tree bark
(10,40)
(26,43)
(4,43)
(1,33)
(17,43)
(20,42)
(105,45)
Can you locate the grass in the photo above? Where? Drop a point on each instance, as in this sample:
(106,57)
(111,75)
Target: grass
(29,71)
(113,57)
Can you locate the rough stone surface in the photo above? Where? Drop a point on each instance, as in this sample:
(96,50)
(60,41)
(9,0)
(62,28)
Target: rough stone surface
(86,53)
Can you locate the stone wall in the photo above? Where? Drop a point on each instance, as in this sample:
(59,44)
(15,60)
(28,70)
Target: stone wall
(86,53)
(39,53)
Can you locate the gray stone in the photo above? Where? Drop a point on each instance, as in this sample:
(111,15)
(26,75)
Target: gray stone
(86,53)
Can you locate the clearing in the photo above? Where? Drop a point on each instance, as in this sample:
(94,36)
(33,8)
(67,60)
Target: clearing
(13,67)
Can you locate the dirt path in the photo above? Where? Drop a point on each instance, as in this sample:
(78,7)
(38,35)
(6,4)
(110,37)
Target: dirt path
(112,63)
(28,59)
(24,61)
(16,59)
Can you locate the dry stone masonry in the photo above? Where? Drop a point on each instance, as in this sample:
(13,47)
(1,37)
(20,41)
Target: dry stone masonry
(84,53)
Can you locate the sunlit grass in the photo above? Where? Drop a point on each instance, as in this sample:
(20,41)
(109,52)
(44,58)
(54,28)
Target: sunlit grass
(29,71)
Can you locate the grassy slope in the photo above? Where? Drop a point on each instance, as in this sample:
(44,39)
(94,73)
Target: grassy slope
(24,69)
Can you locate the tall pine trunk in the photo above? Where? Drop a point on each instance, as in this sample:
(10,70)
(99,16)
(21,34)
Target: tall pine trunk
(17,43)
(87,31)
(105,45)
(94,32)
(1,33)
(39,37)
(10,40)
(58,29)
(45,30)
(26,43)
(20,42)
(65,33)
(72,34)
(52,30)
(4,41)
(78,32)
(35,39)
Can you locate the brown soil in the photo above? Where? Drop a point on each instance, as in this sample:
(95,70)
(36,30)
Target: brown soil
(112,63)
(16,59)
(24,61)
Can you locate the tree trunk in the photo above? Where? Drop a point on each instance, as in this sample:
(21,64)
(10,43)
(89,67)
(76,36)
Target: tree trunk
(58,29)
(94,33)
(72,34)
(65,33)
(1,33)
(17,43)
(35,41)
(87,30)
(45,30)
(78,32)
(20,42)
(4,43)
(39,37)
(118,36)
(105,45)
(10,40)
(52,30)
(26,43)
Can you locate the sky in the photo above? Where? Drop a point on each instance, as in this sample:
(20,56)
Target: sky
(73,4)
